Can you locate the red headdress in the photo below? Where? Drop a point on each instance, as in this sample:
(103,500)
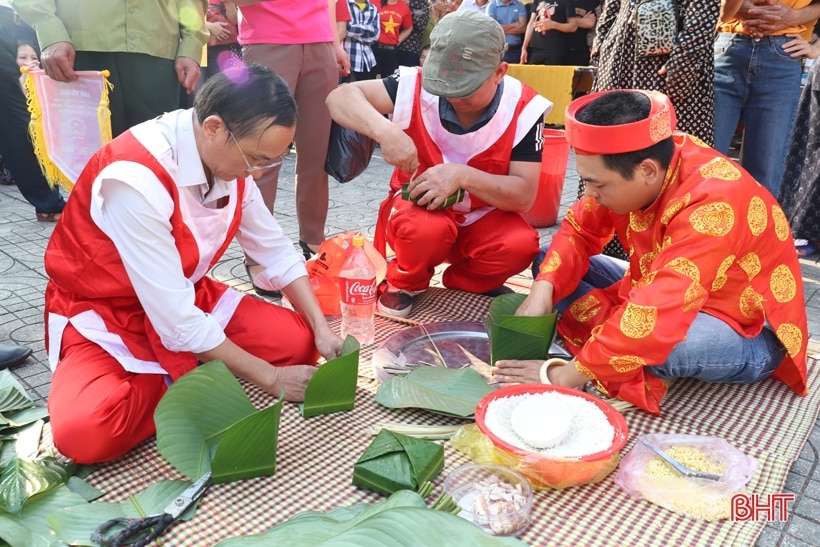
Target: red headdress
(618,139)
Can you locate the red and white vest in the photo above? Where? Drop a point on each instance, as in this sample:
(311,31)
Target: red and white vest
(88,285)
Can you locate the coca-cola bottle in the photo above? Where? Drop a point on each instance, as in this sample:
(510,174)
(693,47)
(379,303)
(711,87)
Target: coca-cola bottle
(357,288)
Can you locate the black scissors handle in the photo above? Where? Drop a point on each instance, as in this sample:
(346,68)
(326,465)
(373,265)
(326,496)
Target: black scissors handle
(157,524)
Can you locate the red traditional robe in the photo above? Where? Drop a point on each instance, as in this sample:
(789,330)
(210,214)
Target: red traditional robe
(714,241)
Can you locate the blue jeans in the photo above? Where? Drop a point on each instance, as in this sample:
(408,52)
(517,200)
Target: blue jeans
(712,350)
(756,82)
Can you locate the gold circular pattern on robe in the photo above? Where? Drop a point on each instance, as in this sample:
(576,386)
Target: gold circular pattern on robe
(575,342)
(645,281)
(585,308)
(674,207)
(781,223)
(640,222)
(750,264)
(751,303)
(782,284)
(645,262)
(720,276)
(684,266)
(572,220)
(720,168)
(589,204)
(638,321)
(584,370)
(792,338)
(626,363)
(552,263)
(713,219)
(667,241)
(756,216)
(697,141)
(694,297)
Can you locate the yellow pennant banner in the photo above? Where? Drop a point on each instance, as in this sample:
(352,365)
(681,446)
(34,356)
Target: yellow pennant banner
(70,121)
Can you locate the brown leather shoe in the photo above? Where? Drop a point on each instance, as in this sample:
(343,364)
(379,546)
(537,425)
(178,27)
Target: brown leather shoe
(48,217)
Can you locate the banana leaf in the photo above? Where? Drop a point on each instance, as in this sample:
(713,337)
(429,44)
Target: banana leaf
(518,337)
(333,387)
(454,392)
(206,422)
(75,522)
(30,528)
(401,520)
(394,462)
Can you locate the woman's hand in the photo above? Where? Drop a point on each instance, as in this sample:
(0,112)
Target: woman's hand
(799,47)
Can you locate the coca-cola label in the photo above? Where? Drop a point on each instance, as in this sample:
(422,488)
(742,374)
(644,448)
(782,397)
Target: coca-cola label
(357,291)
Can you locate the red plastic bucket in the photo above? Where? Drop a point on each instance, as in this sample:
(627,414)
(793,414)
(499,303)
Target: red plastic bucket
(551,183)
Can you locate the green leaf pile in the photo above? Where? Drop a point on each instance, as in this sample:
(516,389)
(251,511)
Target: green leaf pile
(454,392)
(394,462)
(205,422)
(24,472)
(402,520)
(517,336)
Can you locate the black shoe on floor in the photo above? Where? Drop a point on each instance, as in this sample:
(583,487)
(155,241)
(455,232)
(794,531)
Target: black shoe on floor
(12,354)
(260,291)
(498,291)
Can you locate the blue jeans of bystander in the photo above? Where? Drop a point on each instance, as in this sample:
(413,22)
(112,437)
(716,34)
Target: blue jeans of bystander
(712,350)
(758,83)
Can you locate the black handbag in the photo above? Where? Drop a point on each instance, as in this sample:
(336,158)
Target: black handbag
(348,153)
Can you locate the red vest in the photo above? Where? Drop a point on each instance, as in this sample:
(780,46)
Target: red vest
(487,149)
(86,273)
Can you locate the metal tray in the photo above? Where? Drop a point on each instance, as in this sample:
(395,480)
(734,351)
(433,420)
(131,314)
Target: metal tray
(460,344)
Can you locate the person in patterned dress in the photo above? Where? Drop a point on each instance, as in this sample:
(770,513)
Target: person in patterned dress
(685,75)
(800,189)
(713,287)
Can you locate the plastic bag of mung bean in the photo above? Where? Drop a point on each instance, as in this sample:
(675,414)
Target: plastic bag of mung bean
(644,475)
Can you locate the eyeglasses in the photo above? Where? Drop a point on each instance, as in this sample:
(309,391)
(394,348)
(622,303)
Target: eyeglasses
(274,162)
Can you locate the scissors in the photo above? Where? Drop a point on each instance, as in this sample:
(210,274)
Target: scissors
(155,524)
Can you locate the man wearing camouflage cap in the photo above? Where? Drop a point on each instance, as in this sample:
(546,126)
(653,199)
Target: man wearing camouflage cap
(460,129)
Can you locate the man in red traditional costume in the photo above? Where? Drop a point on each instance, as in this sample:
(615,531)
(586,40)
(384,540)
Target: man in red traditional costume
(459,126)
(129,308)
(713,286)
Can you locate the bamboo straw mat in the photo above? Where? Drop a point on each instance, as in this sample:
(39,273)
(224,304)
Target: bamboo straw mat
(316,456)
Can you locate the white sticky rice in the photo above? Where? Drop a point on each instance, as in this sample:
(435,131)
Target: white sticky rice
(589,431)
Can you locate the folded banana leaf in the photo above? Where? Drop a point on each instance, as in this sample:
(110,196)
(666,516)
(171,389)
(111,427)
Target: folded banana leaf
(205,421)
(333,387)
(517,336)
(454,392)
(394,462)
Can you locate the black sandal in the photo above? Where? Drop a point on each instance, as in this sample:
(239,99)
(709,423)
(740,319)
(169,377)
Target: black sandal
(260,291)
(306,250)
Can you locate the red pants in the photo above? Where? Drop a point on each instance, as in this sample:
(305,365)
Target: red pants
(482,256)
(99,411)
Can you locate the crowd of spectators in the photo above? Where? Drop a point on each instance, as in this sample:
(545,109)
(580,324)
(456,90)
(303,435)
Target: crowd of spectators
(733,73)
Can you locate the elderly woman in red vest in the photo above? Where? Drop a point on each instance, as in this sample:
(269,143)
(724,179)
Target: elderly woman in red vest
(129,308)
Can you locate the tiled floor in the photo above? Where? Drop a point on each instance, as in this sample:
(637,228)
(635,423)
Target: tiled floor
(353,207)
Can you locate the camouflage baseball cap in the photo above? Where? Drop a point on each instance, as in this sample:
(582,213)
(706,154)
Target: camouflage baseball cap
(465,48)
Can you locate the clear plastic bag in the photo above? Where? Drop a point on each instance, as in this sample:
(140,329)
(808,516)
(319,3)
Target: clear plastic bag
(643,475)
